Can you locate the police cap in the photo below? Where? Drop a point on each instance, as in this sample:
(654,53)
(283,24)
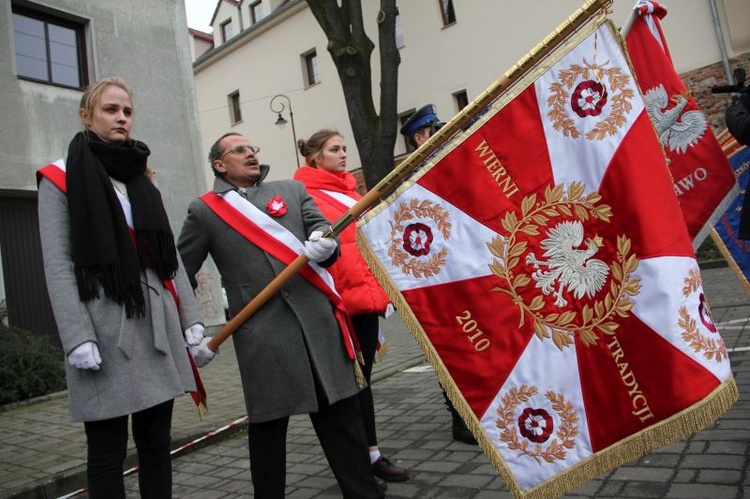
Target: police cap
(424,117)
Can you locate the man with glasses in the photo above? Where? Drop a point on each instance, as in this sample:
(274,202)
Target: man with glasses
(295,354)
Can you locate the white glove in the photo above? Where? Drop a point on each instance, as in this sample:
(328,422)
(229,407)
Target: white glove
(389,309)
(202,355)
(85,356)
(318,248)
(194,334)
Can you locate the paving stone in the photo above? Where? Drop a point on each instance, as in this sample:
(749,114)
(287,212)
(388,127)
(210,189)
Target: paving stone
(719,476)
(697,491)
(643,474)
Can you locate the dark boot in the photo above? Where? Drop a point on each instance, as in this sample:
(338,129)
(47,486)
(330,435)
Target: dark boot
(459,430)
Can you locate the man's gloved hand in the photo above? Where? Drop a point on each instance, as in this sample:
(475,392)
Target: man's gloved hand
(389,309)
(318,248)
(85,356)
(202,355)
(194,334)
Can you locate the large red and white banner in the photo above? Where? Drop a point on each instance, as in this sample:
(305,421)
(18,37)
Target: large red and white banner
(540,259)
(703,178)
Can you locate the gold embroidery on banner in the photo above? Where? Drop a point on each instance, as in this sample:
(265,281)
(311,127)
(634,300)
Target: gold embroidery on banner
(562,326)
(399,258)
(620,105)
(712,348)
(508,424)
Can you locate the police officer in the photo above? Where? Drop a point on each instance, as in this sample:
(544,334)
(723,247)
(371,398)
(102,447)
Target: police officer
(421,125)
(418,129)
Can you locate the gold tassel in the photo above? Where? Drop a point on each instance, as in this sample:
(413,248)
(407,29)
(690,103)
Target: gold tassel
(381,352)
(359,375)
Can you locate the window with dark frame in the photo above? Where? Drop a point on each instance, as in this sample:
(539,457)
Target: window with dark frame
(256,11)
(227,30)
(235,112)
(49,48)
(461,99)
(312,73)
(447,12)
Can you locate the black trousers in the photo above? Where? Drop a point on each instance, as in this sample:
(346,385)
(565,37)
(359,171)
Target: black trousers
(366,327)
(341,434)
(107,442)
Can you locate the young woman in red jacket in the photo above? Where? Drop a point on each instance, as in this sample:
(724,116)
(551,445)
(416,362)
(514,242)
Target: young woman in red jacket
(334,191)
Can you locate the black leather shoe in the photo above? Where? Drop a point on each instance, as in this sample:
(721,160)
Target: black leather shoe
(462,434)
(388,471)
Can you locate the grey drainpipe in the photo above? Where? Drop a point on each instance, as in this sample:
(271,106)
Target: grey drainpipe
(722,43)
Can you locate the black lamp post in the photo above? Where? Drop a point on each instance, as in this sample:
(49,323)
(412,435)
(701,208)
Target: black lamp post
(281,121)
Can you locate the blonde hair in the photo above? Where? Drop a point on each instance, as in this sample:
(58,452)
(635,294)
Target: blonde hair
(312,147)
(93,94)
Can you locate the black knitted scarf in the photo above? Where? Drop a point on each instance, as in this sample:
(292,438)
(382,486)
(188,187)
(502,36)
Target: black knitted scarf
(103,248)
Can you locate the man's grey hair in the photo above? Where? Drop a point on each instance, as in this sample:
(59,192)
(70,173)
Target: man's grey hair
(217,150)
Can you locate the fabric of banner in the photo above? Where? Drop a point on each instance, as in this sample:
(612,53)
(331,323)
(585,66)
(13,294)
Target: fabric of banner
(726,230)
(703,179)
(536,259)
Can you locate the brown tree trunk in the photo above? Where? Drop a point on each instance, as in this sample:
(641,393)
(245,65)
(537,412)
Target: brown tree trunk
(351,49)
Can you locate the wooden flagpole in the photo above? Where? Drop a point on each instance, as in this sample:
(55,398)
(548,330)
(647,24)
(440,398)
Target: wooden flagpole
(399,174)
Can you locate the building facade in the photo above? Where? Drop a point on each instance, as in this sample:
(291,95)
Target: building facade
(49,51)
(450,50)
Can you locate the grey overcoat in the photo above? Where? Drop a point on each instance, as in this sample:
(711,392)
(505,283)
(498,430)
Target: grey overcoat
(144,359)
(293,335)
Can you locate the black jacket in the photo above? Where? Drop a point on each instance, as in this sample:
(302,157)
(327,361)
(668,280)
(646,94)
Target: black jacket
(737,117)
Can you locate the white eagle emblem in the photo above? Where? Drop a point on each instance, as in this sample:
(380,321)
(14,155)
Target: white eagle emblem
(677,130)
(569,267)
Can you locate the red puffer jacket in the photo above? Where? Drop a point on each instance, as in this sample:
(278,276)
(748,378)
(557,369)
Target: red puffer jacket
(354,281)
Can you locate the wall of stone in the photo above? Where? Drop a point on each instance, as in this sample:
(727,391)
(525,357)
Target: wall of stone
(699,82)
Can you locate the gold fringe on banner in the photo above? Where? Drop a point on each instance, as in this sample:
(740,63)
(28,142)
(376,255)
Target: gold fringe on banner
(680,426)
(674,429)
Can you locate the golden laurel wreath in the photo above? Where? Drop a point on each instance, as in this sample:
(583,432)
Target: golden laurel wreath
(713,349)
(553,450)
(399,258)
(559,99)
(561,326)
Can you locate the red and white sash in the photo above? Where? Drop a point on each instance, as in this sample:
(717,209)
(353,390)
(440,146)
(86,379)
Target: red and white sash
(343,202)
(338,199)
(55,172)
(276,240)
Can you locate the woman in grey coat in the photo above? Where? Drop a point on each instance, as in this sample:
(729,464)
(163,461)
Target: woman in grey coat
(122,301)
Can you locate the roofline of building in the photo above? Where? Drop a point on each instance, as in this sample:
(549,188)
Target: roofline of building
(201,34)
(234,3)
(245,36)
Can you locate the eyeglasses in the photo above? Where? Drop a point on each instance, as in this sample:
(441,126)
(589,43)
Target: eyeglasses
(241,150)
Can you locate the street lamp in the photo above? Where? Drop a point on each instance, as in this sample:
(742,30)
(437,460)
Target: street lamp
(280,121)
